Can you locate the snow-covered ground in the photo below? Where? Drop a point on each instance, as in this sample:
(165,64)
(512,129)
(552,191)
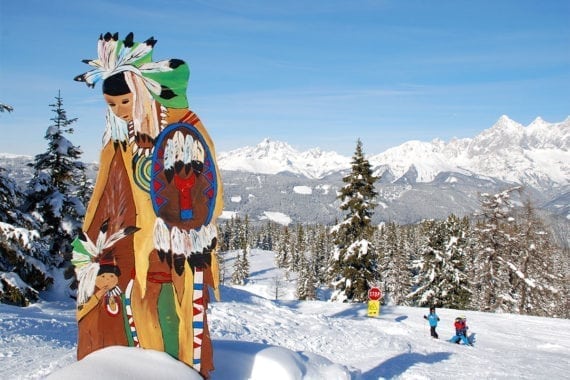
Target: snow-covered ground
(258,337)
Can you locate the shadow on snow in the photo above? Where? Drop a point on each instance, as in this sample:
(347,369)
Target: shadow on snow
(397,365)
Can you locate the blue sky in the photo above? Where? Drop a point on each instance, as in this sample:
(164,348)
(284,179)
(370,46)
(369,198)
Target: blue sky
(311,73)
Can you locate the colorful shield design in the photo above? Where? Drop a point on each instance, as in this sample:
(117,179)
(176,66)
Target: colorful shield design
(183,183)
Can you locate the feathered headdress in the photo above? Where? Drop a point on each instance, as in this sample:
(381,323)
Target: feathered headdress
(88,257)
(166,80)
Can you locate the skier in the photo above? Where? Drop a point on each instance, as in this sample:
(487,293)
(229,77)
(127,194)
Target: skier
(460,331)
(432,318)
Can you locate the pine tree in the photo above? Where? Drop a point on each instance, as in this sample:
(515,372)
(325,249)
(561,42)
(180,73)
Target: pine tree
(394,265)
(494,247)
(457,289)
(283,249)
(430,276)
(300,250)
(322,248)
(54,194)
(241,267)
(22,274)
(238,277)
(303,272)
(307,281)
(291,256)
(10,196)
(441,280)
(353,266)
(534,283)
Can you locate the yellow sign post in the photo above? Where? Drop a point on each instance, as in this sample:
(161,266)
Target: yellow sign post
(373,308)
(374,295)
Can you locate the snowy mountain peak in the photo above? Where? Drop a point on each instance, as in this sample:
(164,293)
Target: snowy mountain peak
(506,125)
(538,123)
(272,157)
(536,155)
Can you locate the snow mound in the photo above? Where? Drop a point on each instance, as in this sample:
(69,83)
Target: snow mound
(126,363)
(256,362)
(260,362)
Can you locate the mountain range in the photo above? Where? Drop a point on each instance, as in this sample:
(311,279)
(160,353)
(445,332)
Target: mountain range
(537,155)
(418,180)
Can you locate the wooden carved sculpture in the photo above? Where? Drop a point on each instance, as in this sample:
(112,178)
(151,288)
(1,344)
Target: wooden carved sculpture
(146,256)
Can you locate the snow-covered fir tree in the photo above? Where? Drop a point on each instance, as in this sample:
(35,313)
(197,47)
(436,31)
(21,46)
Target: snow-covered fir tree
(534,283)
(353,265)
(306,281)
(299,251)
(54,194)
(457,289)
(430,265)
(321,248)
(22,274)
(394,264)
(441,280)
(266,236)
(494,247)
(241,267)
(287,252)
(283,249)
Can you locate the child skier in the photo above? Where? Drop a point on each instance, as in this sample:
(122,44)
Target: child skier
(432,319)
(460,331)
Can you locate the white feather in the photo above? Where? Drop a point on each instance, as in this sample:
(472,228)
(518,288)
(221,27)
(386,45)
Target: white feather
(169,154)
(198,151)
(196,242)
(211,232)
(86,275)
(130,55)
(188,243)
(188,149)
(161,235)
(179,145)
(115,238)
(101,239)
(177,241)
(156,67)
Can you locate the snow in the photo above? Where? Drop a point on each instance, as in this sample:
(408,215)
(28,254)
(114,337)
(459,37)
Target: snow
(124,363)
(21,234)
(277,217)
(325,188)
(272,157)
(257,337)
(303,190)
(235,199)
(228,214)
(12,156)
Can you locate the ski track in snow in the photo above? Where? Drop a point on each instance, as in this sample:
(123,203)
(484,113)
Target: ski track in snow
(37,340)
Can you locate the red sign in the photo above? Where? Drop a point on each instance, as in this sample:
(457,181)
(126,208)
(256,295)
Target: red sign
(374,294)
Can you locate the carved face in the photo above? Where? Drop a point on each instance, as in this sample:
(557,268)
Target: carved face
(106,280)
(121,105)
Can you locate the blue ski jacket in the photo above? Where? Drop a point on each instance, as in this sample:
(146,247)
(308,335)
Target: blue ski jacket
(432,319)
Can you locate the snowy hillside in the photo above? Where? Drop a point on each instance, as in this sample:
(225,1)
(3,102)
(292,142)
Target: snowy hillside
(258,337)
(536,155)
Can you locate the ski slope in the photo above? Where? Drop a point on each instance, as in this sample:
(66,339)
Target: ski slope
(258,337)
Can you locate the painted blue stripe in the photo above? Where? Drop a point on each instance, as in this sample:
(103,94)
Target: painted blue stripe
(198,325)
